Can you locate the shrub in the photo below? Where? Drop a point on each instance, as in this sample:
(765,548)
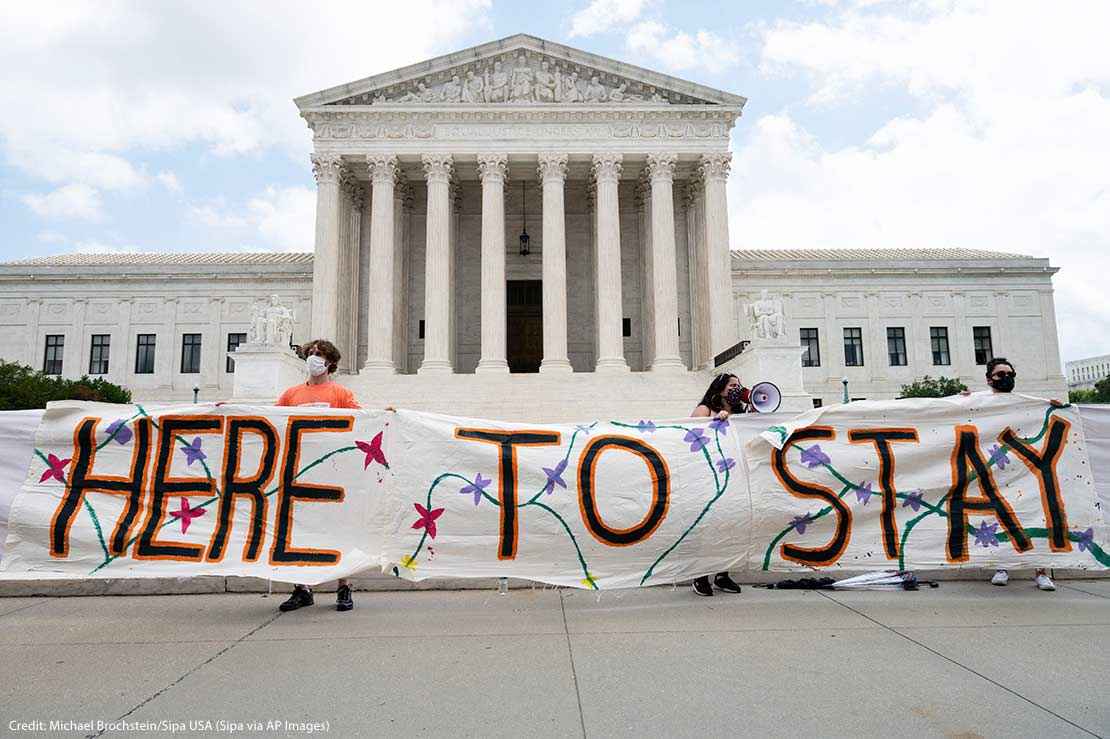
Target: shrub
(933,387)
(22,388)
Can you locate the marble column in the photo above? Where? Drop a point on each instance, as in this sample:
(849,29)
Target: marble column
(663,268)
(325,263)
(610,313)
(492,169)
(647,289)
(346,337)
(402,205)
(437,266)
(722,327)
(699,295)
(119,356)
(553,174)
(379,314)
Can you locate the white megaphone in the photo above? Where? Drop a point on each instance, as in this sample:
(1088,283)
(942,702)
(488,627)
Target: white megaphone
(764,397)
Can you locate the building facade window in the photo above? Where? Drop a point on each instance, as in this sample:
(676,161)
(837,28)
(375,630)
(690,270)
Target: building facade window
(144,354)
(190,354)
(938,337)
(233,342)
(52,359)
(853,347)
(896,345)
(98,354)
(811,348)
(984,352)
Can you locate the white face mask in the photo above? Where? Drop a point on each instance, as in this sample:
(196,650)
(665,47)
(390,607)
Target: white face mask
(316,365)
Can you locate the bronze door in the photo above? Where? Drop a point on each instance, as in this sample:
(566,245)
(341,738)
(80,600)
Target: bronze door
(525,325)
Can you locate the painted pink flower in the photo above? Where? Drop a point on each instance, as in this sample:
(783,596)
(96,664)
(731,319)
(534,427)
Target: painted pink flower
(185,514)
(427,520)
(56,469)
(373,451)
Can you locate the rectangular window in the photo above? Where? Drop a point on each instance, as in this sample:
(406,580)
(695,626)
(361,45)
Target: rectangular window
(626,327)
(984,352)
(52,360)
(233,342)
(896,345)
(420,329)
(811,354)
(816,402)
(853,347)
(938,337)
(190,354)
(144,354)
(98,355)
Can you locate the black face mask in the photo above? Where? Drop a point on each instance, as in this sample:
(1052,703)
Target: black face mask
(1004,384)
(735,397)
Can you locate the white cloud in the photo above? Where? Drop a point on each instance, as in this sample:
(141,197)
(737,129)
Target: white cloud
(681,51)
(601,15)
(169,181)
(278,218)
(70,201)
(1009,151)
(91,88)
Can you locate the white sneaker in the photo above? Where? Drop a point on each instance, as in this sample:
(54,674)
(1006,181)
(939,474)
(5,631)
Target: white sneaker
(1001,577)
(1044,582)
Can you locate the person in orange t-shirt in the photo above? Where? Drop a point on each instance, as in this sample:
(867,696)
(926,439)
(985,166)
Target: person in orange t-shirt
(322,357)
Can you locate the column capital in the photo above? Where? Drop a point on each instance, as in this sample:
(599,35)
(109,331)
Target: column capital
(553,167)
(326,168)
(715,165)
(493,167)
(438,167)
(382,167)
(349,186)
(607,166)
(661,167)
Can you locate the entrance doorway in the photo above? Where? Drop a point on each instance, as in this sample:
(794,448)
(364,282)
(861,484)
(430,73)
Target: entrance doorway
(525,325)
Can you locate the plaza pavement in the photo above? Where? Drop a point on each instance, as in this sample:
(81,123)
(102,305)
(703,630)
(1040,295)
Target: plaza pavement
(964,660)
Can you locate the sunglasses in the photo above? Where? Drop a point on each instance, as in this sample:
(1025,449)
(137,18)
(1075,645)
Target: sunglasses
(1000,375)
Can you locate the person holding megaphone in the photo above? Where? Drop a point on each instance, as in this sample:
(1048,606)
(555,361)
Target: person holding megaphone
(724,397)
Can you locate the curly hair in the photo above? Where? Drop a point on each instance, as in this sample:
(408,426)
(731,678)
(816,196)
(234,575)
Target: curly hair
(325,349)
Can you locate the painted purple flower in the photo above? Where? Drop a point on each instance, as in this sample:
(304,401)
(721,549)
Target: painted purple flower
(555,477)
(1086,540)
(586,429)
(120,431)
(999,457)
(193,453)
(864,492)
(726,464)
(800,522)
(814,457)
(987,536)
(646,427)
(476,488)
(697,439)
(913,500)
(719,425)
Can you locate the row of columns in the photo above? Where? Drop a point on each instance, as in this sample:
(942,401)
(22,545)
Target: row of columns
(334,270)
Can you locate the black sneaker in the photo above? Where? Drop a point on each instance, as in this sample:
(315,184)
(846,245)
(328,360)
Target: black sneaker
(343,601)
(301,597)
(723,582)
(702,586)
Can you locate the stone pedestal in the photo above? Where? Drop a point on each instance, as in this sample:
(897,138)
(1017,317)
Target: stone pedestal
(777,363)
(262,372)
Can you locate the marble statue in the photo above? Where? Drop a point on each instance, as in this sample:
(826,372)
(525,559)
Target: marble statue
(473,90)
(766,318)
(498,86)
(271,324)
(522,81)
(545,84)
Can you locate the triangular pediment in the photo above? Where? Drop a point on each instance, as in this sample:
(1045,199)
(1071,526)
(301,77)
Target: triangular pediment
(520,70)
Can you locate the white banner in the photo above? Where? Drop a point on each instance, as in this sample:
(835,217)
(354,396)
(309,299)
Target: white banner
(307,496)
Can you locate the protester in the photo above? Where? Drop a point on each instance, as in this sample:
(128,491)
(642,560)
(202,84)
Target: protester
(720,401)
(321,359)
(1001,378)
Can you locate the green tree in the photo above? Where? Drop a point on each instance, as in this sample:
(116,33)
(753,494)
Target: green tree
(933,387)
(22,388)
(1081,396)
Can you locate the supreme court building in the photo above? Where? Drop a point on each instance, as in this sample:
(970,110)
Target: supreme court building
(523,230)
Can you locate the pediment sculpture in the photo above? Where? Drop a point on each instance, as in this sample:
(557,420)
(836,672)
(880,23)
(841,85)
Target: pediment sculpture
(524,78)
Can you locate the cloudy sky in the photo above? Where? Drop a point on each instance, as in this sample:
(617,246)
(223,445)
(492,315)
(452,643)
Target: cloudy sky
(170,126)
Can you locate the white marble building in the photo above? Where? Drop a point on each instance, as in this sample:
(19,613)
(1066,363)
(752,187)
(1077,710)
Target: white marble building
(1084,373)
(428,175)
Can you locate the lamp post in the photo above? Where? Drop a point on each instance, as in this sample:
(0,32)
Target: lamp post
(196,392)
(844,382)
(524,239)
